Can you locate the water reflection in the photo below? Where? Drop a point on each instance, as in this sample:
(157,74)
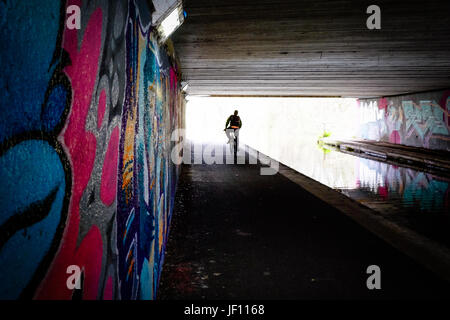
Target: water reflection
(414,189)
(412,198)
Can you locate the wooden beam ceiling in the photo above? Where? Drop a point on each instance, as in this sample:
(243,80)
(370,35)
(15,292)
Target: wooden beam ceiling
(314,47)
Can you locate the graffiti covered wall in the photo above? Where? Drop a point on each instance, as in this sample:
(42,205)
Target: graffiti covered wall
(420,120)
(86,118)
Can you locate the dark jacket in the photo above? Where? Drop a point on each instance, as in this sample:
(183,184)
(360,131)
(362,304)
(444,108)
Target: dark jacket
(234,121)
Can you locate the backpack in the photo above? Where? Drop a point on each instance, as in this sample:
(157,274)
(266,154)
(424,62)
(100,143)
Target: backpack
(235,121)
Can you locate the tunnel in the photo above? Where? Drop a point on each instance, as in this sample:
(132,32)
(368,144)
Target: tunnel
(224,150)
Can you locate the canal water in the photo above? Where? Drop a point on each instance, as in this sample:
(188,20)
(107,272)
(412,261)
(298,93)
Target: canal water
(415,199)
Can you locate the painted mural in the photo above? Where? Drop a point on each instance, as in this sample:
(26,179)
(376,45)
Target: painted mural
(420,120)
(85,123)
(147,178)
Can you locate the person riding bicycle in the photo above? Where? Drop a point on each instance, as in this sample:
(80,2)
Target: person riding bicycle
(235,124)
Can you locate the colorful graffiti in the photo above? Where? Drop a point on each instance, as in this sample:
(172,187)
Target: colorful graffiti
(146,178)
(415,120)
(84,144)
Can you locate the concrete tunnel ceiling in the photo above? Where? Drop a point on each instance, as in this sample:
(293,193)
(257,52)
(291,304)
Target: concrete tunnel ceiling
(313,47)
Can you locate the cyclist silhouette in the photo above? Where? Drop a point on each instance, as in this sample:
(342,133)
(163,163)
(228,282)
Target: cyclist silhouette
(235,123)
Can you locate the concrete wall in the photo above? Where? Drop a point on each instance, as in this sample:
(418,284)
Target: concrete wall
(420,120)
(85,123)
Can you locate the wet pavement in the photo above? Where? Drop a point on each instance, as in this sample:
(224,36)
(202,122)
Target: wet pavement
(236,234)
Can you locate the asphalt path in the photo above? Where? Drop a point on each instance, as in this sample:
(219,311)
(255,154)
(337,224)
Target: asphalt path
(237,234)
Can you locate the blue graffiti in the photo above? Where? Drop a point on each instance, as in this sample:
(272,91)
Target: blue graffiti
(33,187)
(35,96)
(28,40)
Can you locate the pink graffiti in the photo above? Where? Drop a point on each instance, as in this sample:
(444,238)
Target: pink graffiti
(445,105)
(81,147)
(382,103)
(383,192)
(173,79)
(101,108)
(394,137)
(108,292)
(109,172)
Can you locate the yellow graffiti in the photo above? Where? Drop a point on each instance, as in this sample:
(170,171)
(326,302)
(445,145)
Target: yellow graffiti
(128,156)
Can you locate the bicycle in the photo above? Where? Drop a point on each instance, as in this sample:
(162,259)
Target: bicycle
(233,140)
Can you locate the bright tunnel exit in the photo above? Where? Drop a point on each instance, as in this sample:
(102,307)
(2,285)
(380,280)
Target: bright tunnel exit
(285,129)
(280,118)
